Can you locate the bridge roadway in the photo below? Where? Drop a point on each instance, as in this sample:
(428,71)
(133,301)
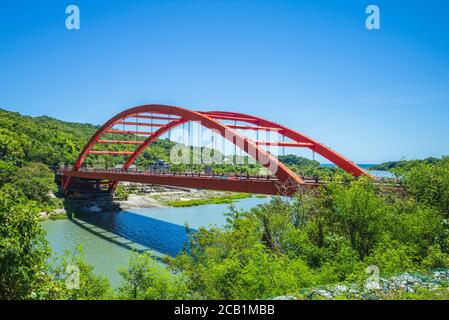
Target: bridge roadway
(269,185)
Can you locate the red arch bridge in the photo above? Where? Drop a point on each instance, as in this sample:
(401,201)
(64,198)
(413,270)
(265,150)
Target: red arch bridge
(145,124)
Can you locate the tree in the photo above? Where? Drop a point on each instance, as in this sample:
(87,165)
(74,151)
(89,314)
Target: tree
(35,180)
(428,182)
(147,279)
(13,146)
(23,250)
(85,285)
(7,169)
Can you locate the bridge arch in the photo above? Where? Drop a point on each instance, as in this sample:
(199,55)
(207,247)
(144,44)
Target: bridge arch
(176,116)
(326,152)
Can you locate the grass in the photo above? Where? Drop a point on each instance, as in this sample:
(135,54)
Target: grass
(212,200)
(59,216)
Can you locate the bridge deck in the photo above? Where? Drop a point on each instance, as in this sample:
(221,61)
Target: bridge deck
(249,184)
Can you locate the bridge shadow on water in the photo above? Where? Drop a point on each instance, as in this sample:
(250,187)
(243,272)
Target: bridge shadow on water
(136,232)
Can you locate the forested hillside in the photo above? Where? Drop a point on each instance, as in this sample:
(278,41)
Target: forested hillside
(391,165)
(54,142)
(41,139)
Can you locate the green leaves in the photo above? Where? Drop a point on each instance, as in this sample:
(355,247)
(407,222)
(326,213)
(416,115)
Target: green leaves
(146,278)
(428,183)
(35,180)
(23,250)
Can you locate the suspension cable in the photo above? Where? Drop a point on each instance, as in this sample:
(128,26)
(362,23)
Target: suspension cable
(283,147)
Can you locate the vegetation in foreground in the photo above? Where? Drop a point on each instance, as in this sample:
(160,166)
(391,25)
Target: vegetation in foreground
(318,238)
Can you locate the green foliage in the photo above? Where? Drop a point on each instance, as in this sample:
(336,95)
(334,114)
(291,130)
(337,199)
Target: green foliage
(23,250)
(13,146)
(77,280)
(392,257)
(238,262)
(428,183)
(435,258)
(120,193)
(53,142)
(35,180)
(7,169)
(42,139)
(395,165)
(147,279)
(307,167)
(321,237)
(291,159)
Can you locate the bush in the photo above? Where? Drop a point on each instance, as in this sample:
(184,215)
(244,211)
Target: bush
(147,279)
(36,181)
(23,250)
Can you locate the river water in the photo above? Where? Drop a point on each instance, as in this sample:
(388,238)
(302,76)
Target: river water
(107,238)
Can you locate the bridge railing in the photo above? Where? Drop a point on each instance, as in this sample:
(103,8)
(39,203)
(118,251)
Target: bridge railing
(315,180)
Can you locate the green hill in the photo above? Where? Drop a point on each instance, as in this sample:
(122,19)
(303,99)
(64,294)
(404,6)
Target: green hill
(390,165)
(54,142)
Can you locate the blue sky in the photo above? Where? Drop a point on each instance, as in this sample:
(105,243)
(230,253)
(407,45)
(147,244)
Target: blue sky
(372,95)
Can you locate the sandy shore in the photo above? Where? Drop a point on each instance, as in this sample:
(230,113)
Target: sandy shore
(158,199)
(139,201)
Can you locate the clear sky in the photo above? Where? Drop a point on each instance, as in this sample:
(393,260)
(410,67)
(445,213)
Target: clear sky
(372,95)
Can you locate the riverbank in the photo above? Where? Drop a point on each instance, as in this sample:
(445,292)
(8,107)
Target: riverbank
(109,238)
(149,198)
(180,198)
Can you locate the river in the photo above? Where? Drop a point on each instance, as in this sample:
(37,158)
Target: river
(108,237)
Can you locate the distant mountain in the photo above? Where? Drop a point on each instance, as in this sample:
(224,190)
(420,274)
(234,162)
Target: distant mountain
(386,166)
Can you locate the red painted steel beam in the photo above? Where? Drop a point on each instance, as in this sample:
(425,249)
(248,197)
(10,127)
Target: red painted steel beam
(128,132)
(238,126)
(89,183)
(284,144)
(208,183)
(119,142)
(146,124)
(152,117)
(224,117)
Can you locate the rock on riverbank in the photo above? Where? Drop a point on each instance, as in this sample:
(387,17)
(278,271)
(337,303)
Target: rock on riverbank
(52,214)
(139,201)
(385,288)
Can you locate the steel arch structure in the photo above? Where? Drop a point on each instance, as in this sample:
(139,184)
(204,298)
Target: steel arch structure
(174,116)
